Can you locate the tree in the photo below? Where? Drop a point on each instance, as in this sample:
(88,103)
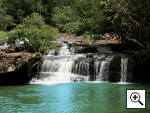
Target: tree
(5,20)
(81,17)
(132,19)
(34,20)
(66,20)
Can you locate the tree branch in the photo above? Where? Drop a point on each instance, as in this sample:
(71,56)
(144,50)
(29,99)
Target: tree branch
(129,17)
(139,44)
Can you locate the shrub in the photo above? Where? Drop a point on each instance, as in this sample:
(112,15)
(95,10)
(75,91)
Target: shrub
(3,36)
(34,20)
(50,29)
(87,40)
(35,40)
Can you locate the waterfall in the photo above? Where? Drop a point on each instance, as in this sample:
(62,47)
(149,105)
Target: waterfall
(58,69)
(124,69)
(58,65)
(102,69)
(66,50)
(81,67)
(67,66)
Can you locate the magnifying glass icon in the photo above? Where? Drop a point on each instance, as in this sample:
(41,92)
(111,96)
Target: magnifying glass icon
(135,97)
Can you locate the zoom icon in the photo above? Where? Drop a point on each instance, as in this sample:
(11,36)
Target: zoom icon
(135,98)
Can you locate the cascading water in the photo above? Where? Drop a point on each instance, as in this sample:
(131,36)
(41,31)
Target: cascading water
(124,67)
(81,67)
(65,50)
(103,73)
(57,69)
(71,67)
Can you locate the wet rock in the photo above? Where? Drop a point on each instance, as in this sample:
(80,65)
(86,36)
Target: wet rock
(89,56)
(115,69)
(91,69)
(141,70)
(85,49)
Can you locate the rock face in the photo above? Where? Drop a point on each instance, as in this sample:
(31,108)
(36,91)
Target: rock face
(105,48)
(142,69)
(138,66)
(17,68)
(85,49)
(114,69)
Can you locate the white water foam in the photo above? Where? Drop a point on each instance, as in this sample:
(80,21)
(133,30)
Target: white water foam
(55,78)
(66,50)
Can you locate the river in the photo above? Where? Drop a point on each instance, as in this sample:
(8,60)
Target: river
(81,97)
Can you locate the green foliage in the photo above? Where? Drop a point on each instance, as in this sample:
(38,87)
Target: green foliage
(131,19)
(50,29)
(126,17)
(43,7)
(35,40)
(39,55)
(5,19)
(82,16)
(72,27)
(17,64)
(34,20)
(66,19)
(3,35)
(87,40)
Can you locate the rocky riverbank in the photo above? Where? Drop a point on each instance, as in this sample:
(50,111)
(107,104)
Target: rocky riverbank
(17,68)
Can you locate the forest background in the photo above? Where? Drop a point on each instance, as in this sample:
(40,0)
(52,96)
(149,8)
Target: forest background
(35,21)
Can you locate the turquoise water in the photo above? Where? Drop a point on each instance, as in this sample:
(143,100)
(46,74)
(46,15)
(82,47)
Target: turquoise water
(69,98)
